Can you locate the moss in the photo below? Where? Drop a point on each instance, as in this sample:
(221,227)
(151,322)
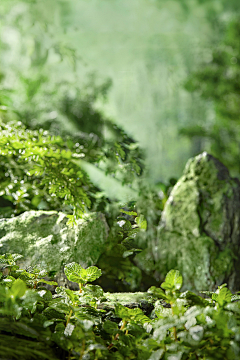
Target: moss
(127,298)
(199,226)
(43,238)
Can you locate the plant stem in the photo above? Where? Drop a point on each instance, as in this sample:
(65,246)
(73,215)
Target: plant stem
(174,328)
(117,335)
(123,325)
(80,287)
(69,354)
(82,351)
(175,333)
(69,316)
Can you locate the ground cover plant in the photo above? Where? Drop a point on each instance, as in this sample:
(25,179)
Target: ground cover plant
(85,324)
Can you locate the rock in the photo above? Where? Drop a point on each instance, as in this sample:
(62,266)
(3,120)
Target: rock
(140,300)
(199,233)
(43,238)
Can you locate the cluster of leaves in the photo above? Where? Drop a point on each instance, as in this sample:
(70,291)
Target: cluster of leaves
(36,166)
(66,324)
(41,171)
(217,81)
(122,247)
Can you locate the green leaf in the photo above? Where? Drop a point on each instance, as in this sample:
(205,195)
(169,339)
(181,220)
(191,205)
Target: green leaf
(142,222)
(157,355)
(110,327)
(157,292)
(222,296)
(77,273)
(235,297)
(193,299)
(18,289)
(122,311)
(131,252)
(127,314)
(59,306)
(73,272)
(93,273)
(66,154)
(45,294)
(132,213)
(173,281)
(93,290)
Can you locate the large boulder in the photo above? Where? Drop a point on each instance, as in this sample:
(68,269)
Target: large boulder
(45,239)
(199,233)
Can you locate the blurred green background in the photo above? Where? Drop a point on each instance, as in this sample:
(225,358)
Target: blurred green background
(167,72)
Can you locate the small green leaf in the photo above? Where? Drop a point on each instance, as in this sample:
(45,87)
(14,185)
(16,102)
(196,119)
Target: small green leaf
(122,311)
(93,273)
(222,296)
(18,289)
(77,273)
(157,292)
(66,154)
(133,213)
(142,222)
(73,272)
(60,307)
(110,327)
(131,252)
(93,290)
(173,281)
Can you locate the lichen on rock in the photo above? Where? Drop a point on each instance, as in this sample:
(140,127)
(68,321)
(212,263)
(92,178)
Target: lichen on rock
(44,238)
(199,233)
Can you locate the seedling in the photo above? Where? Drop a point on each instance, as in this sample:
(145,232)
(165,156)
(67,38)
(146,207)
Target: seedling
(78,274)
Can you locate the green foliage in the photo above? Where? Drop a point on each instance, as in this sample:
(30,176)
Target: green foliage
(34,164)
(66,324)
(78,274)
(41,171)
(217,81)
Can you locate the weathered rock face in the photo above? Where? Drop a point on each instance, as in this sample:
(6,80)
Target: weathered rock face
(199,232)
(43,238)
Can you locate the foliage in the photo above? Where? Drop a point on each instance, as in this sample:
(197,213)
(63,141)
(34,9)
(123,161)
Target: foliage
(217,80)
(40,170)
(66,324)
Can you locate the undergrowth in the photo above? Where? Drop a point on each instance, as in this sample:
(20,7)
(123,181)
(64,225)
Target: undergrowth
(41,320)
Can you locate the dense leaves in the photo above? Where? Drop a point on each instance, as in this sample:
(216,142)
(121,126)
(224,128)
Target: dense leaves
(66,324)
(217,81)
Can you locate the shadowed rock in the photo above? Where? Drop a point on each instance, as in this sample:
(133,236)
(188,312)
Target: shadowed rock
(44,239)
(199,233)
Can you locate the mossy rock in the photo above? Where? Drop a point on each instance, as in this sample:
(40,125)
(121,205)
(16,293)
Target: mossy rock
(199,233)
(44,238)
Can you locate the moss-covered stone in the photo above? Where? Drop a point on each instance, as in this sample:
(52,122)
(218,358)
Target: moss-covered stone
(140,300)
(43,238)
(199,233)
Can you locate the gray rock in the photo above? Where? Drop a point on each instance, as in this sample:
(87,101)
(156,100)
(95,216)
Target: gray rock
(44,239)
(199,233)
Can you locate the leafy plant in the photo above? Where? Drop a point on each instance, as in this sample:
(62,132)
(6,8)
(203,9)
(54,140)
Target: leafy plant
(78,274)
(66,324)
(216,81)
